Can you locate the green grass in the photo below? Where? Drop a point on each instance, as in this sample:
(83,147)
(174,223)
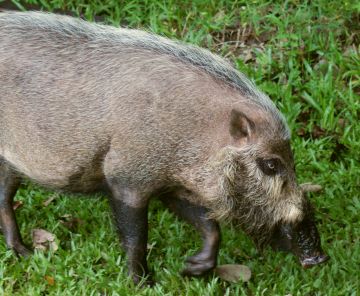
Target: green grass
(306,56)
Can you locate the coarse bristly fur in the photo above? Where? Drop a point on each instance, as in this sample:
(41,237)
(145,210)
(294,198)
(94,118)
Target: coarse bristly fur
(81,103)
(262,205)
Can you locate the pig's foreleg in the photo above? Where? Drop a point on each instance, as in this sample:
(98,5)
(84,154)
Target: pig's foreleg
(9,184)
(132,223)
(205,260)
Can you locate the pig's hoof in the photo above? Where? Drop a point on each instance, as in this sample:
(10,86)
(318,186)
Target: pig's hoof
(198,266)
(21,251)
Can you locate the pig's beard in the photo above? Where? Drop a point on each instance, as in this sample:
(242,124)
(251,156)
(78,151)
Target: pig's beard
(250,200)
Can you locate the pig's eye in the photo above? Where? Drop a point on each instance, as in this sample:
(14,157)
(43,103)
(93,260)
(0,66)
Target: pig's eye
(270,166)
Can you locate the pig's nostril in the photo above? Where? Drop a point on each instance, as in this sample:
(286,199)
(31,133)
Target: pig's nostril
(312,261)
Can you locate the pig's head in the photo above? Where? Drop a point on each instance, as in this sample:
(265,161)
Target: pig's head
(257,183)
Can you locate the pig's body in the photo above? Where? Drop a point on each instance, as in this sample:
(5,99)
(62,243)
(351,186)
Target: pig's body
(74,97)
(82,105)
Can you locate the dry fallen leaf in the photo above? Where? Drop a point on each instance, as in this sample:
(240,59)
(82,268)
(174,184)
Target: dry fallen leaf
(50,280)
(248,55)
(342,122)
(318,132)
(70,222)
(17,204)
(233,272)
(49,200)
(308,187)
(43,240)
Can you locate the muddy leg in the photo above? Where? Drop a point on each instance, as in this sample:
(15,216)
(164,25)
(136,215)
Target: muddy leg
(205,260)
(130,211)
(9,184)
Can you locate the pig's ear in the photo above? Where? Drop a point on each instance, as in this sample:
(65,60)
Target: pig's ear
(241,126)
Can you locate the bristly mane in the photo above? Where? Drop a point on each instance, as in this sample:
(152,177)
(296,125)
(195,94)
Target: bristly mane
(216,66)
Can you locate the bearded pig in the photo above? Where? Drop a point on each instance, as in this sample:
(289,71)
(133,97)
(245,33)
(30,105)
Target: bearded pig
(84,106)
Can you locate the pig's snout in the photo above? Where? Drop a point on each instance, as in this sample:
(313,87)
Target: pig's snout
(306,244)
(303,240)
(314,260)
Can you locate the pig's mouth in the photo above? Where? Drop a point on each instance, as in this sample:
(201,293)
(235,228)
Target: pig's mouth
(313,260)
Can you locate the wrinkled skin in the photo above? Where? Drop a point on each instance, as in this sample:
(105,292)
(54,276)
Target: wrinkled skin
(302,239)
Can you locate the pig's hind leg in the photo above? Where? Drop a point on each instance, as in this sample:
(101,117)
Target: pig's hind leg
(9,184)
(205,260)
